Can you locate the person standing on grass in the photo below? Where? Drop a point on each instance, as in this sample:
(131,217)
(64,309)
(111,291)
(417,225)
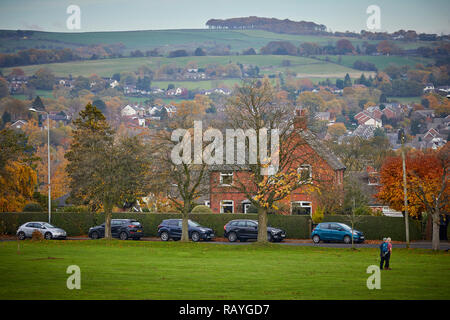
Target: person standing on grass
(384,250)
(388,256)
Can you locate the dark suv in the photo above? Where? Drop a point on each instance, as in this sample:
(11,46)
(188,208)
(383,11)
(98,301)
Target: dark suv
(120,228)
(171,229)
(244,230)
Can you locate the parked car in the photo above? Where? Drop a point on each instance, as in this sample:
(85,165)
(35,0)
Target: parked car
(244,230)
(171,229)
(335,231)
(120,228)
(48,231)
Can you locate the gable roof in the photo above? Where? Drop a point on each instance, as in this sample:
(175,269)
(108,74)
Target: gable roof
(326,154)
(310,138)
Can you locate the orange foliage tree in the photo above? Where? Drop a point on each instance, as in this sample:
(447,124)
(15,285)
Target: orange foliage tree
(427,185)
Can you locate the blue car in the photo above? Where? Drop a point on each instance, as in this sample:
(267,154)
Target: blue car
(171,229)
(336,231)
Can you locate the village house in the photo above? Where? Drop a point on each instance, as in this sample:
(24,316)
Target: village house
(431,139)
(18,124)
(369,182)
(129,111)
(317,162)
(370,117)
(364,131)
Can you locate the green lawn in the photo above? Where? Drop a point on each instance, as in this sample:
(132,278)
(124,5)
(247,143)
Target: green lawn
(173,270)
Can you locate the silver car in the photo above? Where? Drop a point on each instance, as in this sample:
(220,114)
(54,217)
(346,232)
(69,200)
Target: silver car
(48,231)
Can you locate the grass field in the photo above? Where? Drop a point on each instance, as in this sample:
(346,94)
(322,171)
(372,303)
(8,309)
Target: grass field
(268,64)
(381,62)
(168,40)
(173,270)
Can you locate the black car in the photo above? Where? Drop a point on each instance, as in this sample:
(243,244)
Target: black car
(120,228)
(171,229)
(244,230)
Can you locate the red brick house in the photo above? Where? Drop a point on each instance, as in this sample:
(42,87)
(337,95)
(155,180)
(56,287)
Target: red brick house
(323,168)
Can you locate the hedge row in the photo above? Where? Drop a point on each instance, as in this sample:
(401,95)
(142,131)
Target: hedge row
(295,226)
(376,228)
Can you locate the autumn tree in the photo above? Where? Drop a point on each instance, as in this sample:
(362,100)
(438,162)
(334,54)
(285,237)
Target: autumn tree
(17,178)
(426,181)
(255,108)
(43,79)
(336,130)
(344,46)
(105,170)
(181,182)
(311,101)
(4,90)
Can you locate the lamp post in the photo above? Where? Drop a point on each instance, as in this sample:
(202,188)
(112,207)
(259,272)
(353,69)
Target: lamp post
(48,162)
(405,196)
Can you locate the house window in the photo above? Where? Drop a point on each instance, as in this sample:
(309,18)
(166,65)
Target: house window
(226,178)
(305,172)
(246,206)
(226,206)
(301,208)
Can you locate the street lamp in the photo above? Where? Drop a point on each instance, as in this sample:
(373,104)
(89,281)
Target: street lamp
(48,162)
(405,196)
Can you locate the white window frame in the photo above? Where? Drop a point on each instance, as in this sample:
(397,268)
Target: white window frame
(230,203)
(226,174)
(303,204)
(306,167)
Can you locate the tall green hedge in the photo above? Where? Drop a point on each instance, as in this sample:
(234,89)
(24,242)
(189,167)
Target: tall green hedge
(295,226)
(376,228)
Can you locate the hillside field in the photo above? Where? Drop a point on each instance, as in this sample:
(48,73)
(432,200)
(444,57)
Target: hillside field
(167,40)
(268,64)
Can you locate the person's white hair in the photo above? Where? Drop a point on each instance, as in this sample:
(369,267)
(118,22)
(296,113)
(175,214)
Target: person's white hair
(388,239)
(384,239)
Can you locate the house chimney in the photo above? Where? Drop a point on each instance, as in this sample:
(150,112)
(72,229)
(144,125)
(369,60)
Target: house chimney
(301,119)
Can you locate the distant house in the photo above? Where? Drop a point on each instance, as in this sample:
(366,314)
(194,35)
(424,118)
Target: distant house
(114,84)
(443,90)
(428,88)
(364,131)
(366,120)
(58,116)
(393,111)
(322,163)
(323,116)
(370,117)
(18,124)
(128,111)
(369,181)
(431,139)
(129,90)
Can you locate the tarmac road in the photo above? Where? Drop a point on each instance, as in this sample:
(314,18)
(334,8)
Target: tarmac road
(444,245)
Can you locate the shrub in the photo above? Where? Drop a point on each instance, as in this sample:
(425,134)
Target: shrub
(318,215)
(32,207)
(202,209)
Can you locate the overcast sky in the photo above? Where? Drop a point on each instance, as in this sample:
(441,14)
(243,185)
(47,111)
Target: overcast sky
(429,16)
